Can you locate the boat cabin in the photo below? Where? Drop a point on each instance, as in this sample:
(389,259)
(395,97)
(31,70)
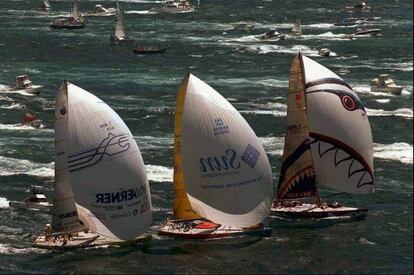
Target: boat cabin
(22,82)
(36,198)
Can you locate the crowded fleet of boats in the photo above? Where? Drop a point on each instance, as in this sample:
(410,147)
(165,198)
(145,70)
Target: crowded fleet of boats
(221,189)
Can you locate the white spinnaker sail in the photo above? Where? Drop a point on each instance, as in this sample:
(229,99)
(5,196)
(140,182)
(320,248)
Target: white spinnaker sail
(64,214)
(75,11)
(106,169)
(119,28)
(341,138)
(226,171)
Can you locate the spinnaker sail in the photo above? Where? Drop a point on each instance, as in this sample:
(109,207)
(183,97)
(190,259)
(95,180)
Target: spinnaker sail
(225,169)
(104,167)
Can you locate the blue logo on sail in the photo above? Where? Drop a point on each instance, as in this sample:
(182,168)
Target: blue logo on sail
(250,156)
(220,127)
(109,146)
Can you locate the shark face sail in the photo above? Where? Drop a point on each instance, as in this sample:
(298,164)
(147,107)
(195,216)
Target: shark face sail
(225,172)
(99,168)
(328,136)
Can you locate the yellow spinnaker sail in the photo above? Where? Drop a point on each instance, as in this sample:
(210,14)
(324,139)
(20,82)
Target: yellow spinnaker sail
(182,206)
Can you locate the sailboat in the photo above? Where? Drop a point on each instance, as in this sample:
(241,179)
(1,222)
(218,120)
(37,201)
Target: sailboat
(222,176)
(296,29)
(140,48)
(101,191)
(75,20)
(45,5)
(119,32)
(328,142)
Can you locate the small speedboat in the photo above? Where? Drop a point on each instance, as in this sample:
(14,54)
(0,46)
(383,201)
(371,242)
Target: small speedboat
(368,32)
(23,83)
(36,200)
(99,10)
(140,49)
(272,35)
(385,84)
(32,120)
(172,6)
(324,52)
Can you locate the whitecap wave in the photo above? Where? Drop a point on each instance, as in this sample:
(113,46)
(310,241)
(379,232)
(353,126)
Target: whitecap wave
(328,36)
(383,100)
(140,12)
(403,112)
(4,203)
(399,151)
(12,166)
(273,145)
(9,250)
(159,173)
(13,106)
(20,127)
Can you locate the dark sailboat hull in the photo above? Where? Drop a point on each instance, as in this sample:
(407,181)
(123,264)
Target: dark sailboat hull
(149,50)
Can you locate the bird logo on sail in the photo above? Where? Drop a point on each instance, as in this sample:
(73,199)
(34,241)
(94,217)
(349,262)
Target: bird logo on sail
(109,146)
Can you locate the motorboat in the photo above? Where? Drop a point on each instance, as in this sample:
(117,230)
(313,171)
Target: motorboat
(141,49)
(385,84)
(359,6)
(119,34)
(23,83)
(75,21)
(32,120)
(36,200)
(173,6)
(324,52)
(272,35)
(100,10)
(368,32)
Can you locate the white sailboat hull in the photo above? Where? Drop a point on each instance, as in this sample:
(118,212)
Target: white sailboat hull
(188,229)
(80,240)
(313,211)
(38,206)
(396,90)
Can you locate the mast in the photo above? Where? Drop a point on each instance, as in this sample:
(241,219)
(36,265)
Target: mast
(297,175)
(181,205)
(64,213)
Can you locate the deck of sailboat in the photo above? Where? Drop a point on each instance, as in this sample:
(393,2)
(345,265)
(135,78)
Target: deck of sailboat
(313,211)
(81,240)
(185,229)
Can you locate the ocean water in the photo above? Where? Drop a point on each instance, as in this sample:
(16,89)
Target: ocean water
(253,76)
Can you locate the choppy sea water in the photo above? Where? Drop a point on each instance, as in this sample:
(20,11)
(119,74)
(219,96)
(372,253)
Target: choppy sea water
(253,77)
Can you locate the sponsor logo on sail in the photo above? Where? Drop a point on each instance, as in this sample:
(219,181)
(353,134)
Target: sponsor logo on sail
(120,196)
(220,127)
(109,146)
(228,163)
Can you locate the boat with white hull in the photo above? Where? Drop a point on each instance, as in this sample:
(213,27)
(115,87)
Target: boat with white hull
(324,117)
(385,84)
(23,84)
(174,6)
(220,168)
(36,200)
(101,191)
(100,10)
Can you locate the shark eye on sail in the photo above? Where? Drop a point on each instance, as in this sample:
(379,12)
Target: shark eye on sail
(63,110)
(349,103)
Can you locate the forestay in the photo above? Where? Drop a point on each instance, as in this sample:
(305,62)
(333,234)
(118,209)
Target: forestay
(226,171)
(106,169)
(341,139)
